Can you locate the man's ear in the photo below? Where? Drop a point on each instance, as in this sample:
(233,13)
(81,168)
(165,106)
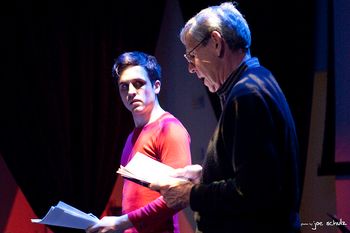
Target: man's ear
(156,86)
(218,42)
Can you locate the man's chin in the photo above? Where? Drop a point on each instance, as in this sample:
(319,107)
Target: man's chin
(211,89)
(137,110)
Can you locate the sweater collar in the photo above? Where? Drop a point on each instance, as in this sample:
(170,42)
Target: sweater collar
(233,78)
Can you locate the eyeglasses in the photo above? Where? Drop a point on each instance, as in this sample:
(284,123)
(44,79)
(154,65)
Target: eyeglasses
(189,56)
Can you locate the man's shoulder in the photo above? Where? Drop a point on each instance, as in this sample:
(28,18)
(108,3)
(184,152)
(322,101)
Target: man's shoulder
(253,77)
(169,123)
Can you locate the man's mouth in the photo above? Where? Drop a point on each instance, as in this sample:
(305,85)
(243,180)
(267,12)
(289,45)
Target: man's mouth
(134,101)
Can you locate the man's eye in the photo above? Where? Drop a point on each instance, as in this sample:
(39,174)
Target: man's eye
(123,86)
(138,84)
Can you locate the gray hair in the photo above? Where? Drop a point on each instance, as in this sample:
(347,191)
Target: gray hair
(225,19)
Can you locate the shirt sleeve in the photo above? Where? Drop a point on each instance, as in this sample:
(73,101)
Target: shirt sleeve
(173,145)
(145,219)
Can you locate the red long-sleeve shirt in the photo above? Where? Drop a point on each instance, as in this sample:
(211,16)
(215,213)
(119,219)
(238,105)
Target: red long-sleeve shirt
(167,141)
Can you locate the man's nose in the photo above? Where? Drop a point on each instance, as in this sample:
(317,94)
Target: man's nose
(191,68)
(131,89)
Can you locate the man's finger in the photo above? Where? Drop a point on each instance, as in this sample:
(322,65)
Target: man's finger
(155,187)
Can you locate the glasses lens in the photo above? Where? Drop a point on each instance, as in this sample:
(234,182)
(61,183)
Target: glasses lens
(189,57)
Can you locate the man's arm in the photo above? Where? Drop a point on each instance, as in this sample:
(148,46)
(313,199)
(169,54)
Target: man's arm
(173,147)
(254,151)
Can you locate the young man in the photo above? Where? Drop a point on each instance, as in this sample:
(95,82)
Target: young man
(157,134)
(250,178)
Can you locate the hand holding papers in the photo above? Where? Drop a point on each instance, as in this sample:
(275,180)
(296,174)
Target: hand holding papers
(67,216)
(144,170)
(191,172)
(116,224)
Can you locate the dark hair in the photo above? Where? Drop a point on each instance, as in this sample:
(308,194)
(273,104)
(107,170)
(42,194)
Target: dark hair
(136,58)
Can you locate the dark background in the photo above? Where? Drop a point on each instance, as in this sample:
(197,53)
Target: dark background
(62,124)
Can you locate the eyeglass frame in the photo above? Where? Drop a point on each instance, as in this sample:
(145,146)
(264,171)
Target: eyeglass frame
(188,55)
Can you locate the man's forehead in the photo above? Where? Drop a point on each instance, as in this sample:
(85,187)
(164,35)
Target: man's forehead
(133,73)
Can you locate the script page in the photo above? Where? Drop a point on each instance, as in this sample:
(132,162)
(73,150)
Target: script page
(142,167)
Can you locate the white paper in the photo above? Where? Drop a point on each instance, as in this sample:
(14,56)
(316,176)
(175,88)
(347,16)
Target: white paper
(65,215)
(144,170)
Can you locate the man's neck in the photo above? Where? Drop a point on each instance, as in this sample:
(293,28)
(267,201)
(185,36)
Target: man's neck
(144,119)
(235,59)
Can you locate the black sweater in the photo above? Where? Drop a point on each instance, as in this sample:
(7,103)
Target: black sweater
(250,179)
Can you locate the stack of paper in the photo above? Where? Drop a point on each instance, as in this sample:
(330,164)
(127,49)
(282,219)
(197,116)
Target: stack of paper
(65,215)
(144,170)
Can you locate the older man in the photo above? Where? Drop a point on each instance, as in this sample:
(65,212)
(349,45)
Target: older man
(250,177)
